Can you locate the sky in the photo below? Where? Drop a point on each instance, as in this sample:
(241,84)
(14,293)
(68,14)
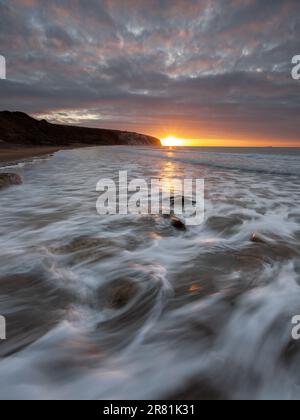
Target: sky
(216,71)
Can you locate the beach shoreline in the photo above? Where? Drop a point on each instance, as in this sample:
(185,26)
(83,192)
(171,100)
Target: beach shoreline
(15,154)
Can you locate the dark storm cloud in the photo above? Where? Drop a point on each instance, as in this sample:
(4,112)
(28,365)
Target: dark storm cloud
(210,66)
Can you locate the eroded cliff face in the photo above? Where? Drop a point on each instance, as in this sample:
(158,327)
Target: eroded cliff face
(17,128)
(136,139)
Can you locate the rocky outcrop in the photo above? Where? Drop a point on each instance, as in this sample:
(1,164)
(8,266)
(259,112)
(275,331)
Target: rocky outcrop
(9,179)
(17,128)
(177,223)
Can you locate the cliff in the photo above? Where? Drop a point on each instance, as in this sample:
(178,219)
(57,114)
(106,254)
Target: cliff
(17,128)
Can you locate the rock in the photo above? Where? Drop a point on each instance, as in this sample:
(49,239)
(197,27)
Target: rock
(121,295)
(258,239)
(118,294)
(264,253)
(84,248)
(9,179)
(82,243)
(273,249)
(177,223)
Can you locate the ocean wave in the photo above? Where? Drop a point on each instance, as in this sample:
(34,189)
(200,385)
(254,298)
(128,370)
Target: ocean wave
(265,163)
(129,307)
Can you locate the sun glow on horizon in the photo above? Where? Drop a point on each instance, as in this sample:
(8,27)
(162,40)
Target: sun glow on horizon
(172,141)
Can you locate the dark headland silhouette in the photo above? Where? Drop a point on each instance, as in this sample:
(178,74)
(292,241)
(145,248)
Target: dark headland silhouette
(19,129)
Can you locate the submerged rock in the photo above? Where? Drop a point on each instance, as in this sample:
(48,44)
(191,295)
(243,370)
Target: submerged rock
(118,294)
(258,239)
(9,179)
(265,251)
(84,249)
(273,249)
(82,243)
(177,223)
(121,293)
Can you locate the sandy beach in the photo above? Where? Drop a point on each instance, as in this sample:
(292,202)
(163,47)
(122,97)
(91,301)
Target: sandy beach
(9,154)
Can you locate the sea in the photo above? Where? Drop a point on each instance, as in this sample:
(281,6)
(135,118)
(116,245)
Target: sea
(129,307)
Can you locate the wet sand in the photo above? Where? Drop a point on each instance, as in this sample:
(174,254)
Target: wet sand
(9,154)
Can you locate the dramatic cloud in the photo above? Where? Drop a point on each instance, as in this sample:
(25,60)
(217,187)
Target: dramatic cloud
(211,69)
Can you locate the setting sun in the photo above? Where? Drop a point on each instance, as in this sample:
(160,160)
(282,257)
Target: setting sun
(172,141)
